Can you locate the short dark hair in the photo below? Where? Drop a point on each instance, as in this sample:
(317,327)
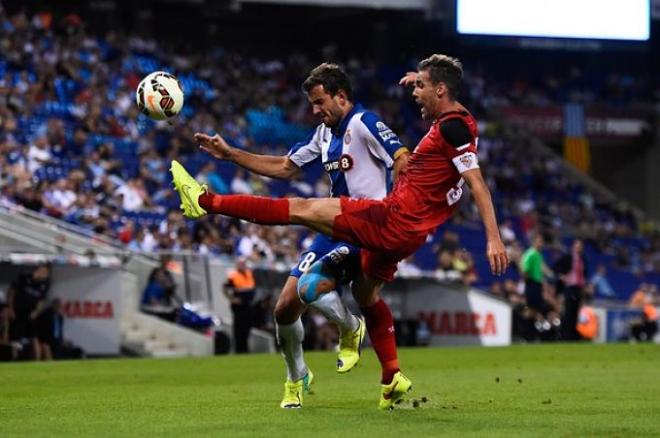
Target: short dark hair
(332,77)
(443,68)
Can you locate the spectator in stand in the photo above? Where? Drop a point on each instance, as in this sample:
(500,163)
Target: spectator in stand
(76,147)
(407,268)
(39,154)
(254,246)
(600,285)
(208,175)
(507,232)
(159,297)
(60,198)
(446,270)
(240,184)
(449,242)
(464,264)
(31,199)
(240,291)
(127,232)
(134,195)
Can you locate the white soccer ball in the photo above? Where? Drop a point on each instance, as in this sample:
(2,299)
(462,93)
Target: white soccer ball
(160,96)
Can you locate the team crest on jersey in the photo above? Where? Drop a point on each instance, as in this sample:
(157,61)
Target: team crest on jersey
(347,137)
(466,160)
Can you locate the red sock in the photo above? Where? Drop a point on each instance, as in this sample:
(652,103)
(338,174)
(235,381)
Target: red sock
(257,209)
(380,325)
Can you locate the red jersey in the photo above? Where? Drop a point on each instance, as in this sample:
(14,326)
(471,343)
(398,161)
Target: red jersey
(426,193)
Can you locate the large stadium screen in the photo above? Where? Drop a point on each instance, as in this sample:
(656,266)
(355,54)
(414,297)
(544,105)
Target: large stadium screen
(588,19)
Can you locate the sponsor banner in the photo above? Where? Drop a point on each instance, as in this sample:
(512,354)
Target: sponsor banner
(453,316)
(28,259)
(91,303)
(618,323)
(548,123)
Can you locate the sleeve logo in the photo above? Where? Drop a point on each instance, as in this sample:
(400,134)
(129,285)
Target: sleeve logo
(386,133)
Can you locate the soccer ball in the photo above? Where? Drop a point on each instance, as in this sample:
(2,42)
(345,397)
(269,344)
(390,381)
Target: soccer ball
(159,96)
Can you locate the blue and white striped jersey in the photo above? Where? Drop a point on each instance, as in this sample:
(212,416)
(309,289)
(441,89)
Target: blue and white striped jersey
(357,155)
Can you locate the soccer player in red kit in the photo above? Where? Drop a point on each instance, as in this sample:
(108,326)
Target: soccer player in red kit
(425,195)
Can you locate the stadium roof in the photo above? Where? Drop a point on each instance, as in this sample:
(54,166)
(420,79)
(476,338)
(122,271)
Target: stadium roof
(372,4)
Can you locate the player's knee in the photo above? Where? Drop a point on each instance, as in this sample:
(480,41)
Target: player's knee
(366,292)
(366,298)
(314,282)
(303,210)
(300,209)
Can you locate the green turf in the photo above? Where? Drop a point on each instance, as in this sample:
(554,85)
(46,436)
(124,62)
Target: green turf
(532,390)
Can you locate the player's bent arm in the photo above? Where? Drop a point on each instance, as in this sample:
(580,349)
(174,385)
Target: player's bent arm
(496,252)
(400,163)
(266,165)
(483,200)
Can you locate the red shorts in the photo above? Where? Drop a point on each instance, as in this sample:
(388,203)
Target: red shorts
(372,225)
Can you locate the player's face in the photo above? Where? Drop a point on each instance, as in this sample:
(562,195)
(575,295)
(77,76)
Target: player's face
(324,106)
(425,94)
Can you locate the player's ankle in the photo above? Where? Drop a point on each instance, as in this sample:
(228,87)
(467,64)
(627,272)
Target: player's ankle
(388,374)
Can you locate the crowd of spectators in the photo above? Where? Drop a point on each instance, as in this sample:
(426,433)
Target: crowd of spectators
(73,146)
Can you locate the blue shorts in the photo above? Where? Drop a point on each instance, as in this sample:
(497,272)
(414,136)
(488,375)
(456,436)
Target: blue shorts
(341,257)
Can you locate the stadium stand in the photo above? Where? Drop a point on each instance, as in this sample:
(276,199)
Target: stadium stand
(74,147)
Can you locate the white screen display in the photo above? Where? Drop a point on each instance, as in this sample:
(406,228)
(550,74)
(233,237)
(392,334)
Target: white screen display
(592,19)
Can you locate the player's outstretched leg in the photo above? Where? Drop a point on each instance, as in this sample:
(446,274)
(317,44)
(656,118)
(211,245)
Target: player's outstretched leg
(196,201)
(290,336)
(317,289)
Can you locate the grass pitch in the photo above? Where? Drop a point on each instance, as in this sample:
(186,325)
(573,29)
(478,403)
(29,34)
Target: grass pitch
(531,390)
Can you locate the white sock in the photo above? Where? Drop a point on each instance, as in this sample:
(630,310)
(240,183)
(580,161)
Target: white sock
(333,308)
(290,338)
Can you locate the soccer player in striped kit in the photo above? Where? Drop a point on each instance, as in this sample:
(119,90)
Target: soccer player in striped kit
(359,153)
